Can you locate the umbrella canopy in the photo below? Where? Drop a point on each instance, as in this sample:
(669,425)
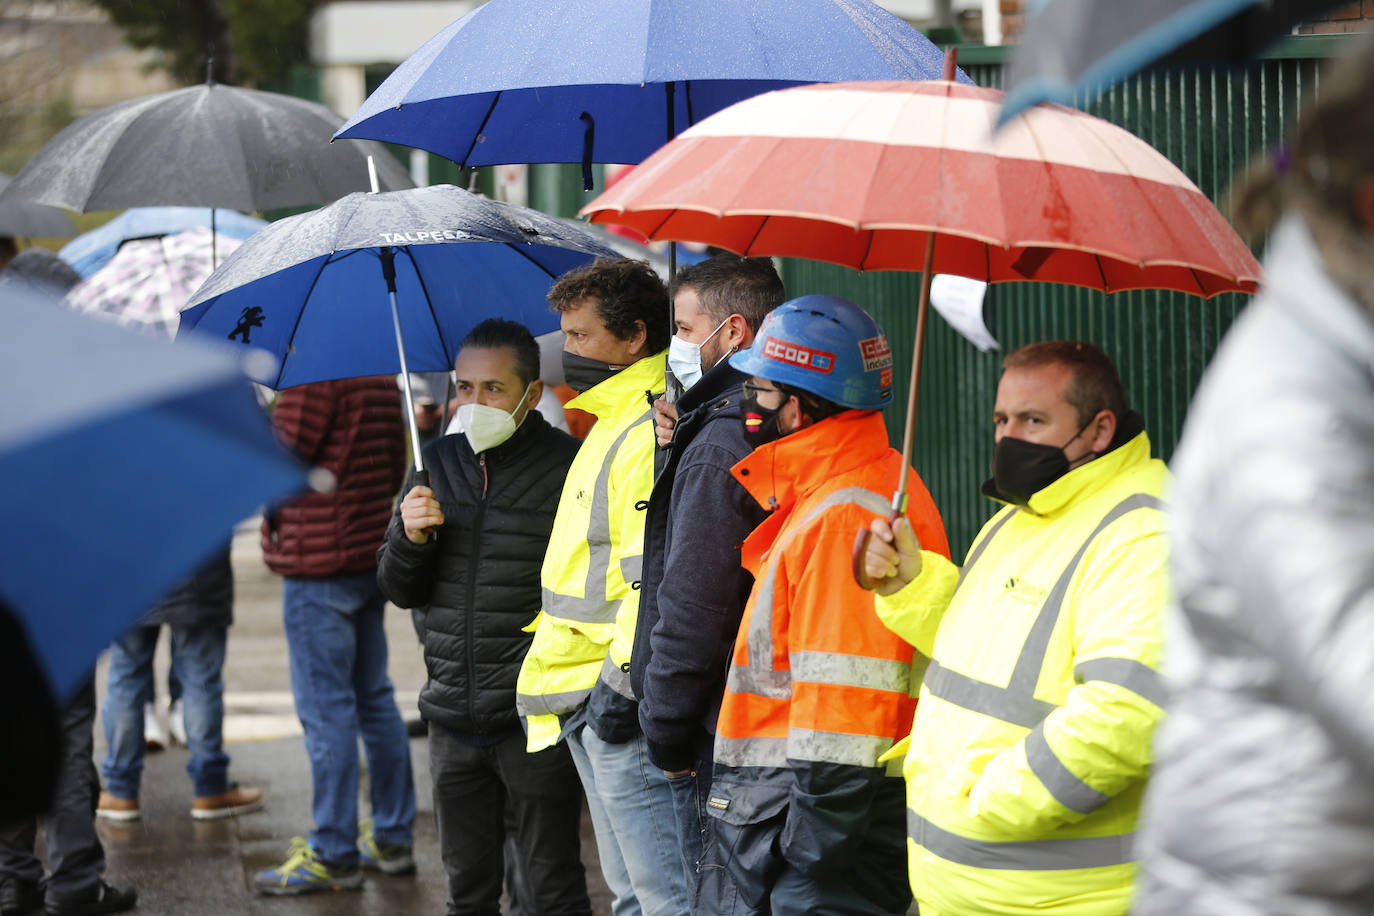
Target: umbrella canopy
(205,146)
(135,456)
(910,176)
(865,174)
(149,281)
(511,81)
(1073,46)
(90,251)
(313,289)
(316,280)
(26,219)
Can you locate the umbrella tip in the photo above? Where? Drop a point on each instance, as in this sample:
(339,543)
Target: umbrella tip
(209,71)
(372,174)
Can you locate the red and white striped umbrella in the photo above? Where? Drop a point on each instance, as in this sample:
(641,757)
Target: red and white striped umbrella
(861,174)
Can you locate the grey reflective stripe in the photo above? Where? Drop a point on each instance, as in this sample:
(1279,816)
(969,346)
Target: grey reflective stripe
(581,610)
(1135,676)
(750,752)
(616,678)
(982,545)
(989,699)
(762,678)
(1016,702)
(919,664)
(850,670)
(1062,783)
(801,744)
(632,567)
(549,704)
(1029,855)
(594,606)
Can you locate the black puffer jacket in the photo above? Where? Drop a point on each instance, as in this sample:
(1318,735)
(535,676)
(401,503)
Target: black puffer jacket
(479,574)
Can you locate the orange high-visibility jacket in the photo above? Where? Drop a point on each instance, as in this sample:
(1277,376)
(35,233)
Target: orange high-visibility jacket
(815,678)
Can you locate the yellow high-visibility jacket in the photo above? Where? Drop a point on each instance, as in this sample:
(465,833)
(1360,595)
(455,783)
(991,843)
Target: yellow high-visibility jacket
(589,607)
(1031,744)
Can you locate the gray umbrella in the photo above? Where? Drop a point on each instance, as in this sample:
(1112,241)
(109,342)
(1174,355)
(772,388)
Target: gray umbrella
(206,146)
(29,220)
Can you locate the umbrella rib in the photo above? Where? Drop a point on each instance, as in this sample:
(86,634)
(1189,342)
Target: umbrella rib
(1097,259)
(755,238)
(429,303)
(868,247)
(463,163)
(305,302)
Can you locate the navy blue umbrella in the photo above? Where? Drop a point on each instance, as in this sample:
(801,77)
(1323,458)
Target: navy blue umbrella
(314,289)
(1074,46)
(125,459)
(612,80)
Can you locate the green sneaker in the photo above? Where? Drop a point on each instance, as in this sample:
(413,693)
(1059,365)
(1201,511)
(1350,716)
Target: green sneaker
(304,872)
(396,859)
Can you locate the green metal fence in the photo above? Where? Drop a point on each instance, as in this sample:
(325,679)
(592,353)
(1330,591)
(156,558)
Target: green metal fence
(1208,122)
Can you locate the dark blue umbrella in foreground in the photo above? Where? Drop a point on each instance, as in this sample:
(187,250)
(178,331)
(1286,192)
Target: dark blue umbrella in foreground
(90,251)
(125,459)
(1073,46)
(613,80)
(314,289)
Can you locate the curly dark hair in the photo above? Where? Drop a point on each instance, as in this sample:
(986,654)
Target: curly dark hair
(627,293)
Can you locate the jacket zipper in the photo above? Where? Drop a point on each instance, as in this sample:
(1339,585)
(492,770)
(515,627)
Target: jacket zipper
(469,608)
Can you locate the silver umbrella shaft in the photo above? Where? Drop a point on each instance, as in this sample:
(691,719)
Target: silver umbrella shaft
(405,381)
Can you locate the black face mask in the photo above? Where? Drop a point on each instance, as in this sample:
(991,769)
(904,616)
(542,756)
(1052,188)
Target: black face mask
(1020,469)
(760,423)
(581,372)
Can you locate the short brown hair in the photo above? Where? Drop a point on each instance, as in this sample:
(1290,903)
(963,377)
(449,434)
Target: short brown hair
(728,284)
(626,292)
(1095,386)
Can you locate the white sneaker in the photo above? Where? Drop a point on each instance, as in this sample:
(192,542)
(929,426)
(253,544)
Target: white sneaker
(154,735)
(176,722)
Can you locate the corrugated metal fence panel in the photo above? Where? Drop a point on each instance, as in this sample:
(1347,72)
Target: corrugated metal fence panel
(1210,123)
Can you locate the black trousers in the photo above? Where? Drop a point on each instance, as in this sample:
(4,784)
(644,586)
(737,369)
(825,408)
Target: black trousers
(75,857)
(473,787)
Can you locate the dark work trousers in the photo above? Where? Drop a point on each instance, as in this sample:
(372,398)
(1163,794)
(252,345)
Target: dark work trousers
(473,788)
(744,873)
(75,857)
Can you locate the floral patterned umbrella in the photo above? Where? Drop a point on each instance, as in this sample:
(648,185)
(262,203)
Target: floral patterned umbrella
(148,281)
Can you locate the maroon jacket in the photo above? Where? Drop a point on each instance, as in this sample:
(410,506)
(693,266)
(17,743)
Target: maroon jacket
(352,428)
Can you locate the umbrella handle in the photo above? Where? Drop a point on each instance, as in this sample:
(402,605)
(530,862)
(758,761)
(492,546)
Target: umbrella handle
(856,556)
(421,477)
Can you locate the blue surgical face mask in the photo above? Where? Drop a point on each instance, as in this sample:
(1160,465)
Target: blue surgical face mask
(684,359)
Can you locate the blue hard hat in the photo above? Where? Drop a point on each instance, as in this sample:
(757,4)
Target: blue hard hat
(824,345)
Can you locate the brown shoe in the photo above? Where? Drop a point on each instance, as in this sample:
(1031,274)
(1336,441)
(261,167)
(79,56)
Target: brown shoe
(117,809)
(232,801)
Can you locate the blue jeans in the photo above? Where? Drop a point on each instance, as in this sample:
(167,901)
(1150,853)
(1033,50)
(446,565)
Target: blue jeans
(636,821)
(337,646)
(690,791)
(198,662)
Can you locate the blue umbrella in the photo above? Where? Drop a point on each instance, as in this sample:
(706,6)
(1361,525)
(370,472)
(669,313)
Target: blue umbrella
(612,80)
(90,251)
(126,458)
(313,289)
(1074,46)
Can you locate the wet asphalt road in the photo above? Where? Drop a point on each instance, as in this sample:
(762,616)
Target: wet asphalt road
(182,866)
